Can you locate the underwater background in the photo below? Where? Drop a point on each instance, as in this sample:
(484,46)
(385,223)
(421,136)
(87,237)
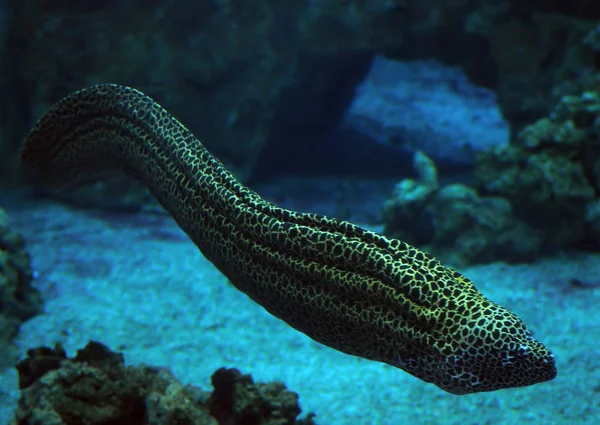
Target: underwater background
(468,129)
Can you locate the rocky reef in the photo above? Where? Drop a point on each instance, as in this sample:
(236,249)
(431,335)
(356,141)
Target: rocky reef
(95,387)
(247,76)
(455,222)
(535,196)
(425,105)
(551,173)
(19,300)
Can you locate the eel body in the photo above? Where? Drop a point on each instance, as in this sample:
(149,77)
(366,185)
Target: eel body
(346,287)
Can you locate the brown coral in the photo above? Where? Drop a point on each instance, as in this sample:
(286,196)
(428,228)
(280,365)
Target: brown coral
(550,172)
(456,222)
(96,387)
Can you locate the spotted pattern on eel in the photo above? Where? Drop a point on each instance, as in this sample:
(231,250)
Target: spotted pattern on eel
(346,287)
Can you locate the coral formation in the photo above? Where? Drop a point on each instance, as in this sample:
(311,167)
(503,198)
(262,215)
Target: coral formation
(455,221)
(19,301)
(551,171)
(95,387)
(535,196)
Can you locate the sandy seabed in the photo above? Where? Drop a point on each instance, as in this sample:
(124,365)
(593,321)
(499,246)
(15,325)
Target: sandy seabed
(138,285)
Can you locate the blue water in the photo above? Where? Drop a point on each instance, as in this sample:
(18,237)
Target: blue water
(137,284)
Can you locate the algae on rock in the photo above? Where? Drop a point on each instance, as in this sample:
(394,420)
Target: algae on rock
(95,387)
(455,222)
(19,300)
(538,195)
(550,172)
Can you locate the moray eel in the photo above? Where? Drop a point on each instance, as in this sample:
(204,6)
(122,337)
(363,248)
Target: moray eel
(346,287)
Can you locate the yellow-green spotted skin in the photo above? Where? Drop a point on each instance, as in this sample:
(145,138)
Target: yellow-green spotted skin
(351,289)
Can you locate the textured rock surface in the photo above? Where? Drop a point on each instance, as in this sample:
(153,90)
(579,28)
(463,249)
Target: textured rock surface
(223,68)
(521,49)
(95,387)
(236,399)
(19,301)
(538,195)
(219,66)
(536,47)
(455,222)
(550,172)
(425,105)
